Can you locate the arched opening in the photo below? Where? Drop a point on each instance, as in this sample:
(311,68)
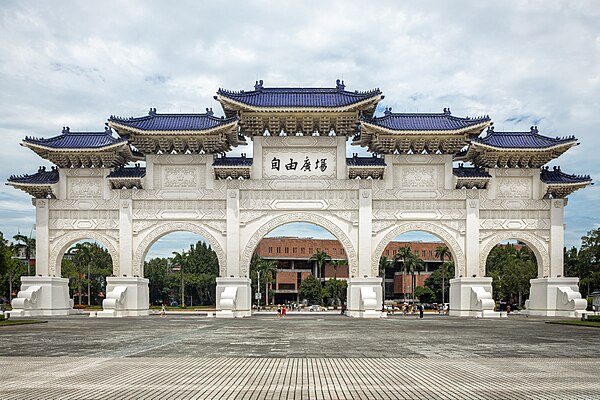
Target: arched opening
(416,267)
(511,264)
(302,265)
(182,269)
(86,263)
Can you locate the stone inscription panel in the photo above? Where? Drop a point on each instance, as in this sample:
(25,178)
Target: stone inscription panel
(299,162)
(514,188)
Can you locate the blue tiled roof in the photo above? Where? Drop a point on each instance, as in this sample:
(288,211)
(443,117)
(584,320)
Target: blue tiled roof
(42,177)
(423,122)
(373,161)
(556,176)
(299,97)
(128,172)
(173,122)
(224,161)
(470,172)
(76,140)
(522,140)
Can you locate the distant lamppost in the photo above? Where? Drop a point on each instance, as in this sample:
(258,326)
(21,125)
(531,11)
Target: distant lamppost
(258,289)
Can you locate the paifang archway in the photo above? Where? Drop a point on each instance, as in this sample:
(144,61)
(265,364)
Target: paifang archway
(62,244)
(286,218)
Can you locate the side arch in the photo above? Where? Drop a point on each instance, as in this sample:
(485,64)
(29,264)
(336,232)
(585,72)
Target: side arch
(62,244)
(170,227)
(535,244)
(458,255)
(316,219)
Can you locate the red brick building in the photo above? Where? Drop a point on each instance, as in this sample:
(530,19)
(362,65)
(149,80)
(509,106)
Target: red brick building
(294,264)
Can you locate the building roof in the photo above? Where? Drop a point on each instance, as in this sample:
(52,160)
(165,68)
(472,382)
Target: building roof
(556,177)
(42,177)
(173,122)
(225,161)
(522,140)
(75,140)
(424,122)
(470,172)
(373,161)
(298,97)
(128,172)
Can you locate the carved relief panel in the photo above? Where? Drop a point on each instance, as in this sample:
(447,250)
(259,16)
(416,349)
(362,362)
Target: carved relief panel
(514,188)
(85,188)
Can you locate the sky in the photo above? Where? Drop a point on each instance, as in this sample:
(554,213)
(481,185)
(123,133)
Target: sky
(71,63)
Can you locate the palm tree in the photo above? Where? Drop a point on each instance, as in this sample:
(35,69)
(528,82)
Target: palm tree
(267,268)
(27,243)
(336,264)
(414,263)
(384,264)
(320,257)
(83,257)
(441,252)
(403,254)
(180,259)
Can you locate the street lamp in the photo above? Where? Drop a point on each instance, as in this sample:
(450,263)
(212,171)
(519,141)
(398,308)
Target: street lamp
(258,290)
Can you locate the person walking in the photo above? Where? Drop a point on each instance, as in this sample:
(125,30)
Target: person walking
(421,309)
(163,311)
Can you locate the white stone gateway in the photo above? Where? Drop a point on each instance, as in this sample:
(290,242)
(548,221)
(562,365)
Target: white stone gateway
(299,173)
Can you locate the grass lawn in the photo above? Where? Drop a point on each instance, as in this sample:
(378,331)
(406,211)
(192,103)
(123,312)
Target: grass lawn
(20,322)
(576,322)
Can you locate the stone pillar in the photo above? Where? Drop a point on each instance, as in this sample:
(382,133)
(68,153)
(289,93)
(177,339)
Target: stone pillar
(233,290)
(42,237)
(557,238)
(42,295)
(365,291)
(125,239)
(472,238)
(257,156)
(341,172)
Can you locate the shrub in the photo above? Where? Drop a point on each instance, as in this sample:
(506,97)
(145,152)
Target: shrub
(79,306)
(2,317)
(593,318)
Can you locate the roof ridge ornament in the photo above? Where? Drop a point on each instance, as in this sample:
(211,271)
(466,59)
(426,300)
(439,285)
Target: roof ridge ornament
(107,128)
(339,85)
(66,130)
(209,112)
(490,129)
(152,112)
(258,85)
(388,111)
(534,129)
(447,111)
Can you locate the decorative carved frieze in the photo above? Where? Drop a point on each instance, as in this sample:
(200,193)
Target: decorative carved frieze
(85,188)
(514,204)
(180,177)
(418,177)
(513,188)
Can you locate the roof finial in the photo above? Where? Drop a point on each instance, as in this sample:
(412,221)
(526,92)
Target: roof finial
(107,128)
(447,111)
(258,85)
(534,129)
(66,129)
(339,85)
(209,112)
(152,111)
(388,111)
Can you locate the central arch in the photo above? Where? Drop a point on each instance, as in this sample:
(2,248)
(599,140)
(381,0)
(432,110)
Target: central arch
(300,217)
(457,253)
(170,227)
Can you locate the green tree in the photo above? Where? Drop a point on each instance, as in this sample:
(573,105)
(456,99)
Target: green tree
(511,269)
(402,255)
(589,262)
(180,259)
(384,264)
(442,252)
(337,264)
(414,265)
(83,256)
(424,294)
(320,258)
(334,291)
(310,289)
(28,246)
(435,280)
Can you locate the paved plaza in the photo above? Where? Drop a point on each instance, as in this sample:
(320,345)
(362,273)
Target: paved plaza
(299,357)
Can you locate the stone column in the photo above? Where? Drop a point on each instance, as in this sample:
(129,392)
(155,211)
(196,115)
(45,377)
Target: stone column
(472,238)
(557,238)
(365,228)
(233,233)
(257,156)
(42,236)
(125,240)
(341,172)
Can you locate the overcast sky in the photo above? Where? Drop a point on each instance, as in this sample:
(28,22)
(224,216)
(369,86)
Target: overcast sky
(522,62)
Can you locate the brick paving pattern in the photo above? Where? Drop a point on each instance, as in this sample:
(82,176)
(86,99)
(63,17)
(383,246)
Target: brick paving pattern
(299,358)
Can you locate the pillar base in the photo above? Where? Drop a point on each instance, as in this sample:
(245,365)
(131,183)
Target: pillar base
(472,297)
(365,298)
(42,296)
(125,297)
(555,297)
(233,298)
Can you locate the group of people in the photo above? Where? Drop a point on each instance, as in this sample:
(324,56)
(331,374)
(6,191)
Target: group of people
(281,311)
